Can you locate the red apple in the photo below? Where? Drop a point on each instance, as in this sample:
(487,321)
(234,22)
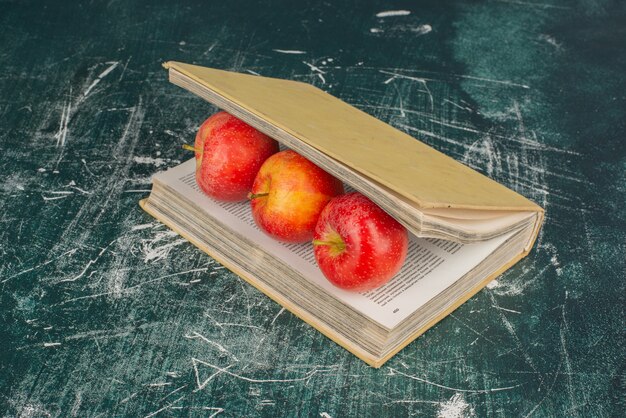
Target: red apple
(288,194)
(229,153)
(357,245)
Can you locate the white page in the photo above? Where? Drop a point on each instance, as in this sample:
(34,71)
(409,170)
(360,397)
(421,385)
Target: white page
(485,224)
(431,266)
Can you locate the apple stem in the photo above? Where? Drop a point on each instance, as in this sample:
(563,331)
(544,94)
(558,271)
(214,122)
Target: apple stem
(320,242)
(189,148)
(255,195)
(338,245)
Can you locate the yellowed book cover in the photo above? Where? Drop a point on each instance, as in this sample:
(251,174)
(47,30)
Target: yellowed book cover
(426,177)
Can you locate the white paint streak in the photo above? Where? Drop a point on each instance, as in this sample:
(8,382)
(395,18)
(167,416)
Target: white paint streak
(32,410)
(143,226)
(78,189)
(393,372)
(46,198)
(118,292)
(277,315)
(422,29)
(100,77)
(306,378)
(487,153)
(65,120)
(469,77)
(220,347)
(154,249)
(82,160)
(70,252)
(289,51)
(455,407)
(458,105)
(571,390)
(505,309)
(149,160)
(418,79)
(164,408)
(159,384)
(211,408)
(89,264)
(317,71)
(77,402)
(393,13)
(493,284)
(537,5)
(552,41)
(554,259)
(480,334)
(202,385)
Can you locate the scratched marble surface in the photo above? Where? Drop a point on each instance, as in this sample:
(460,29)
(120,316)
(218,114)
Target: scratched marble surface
(107,313)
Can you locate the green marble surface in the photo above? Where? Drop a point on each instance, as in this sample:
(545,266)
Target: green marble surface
(104,312)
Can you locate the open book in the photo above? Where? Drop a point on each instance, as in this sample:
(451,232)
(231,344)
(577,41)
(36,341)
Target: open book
(465,229)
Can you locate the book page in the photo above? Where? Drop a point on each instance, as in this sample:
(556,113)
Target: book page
(482,225)
(431,265)
(468,214)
